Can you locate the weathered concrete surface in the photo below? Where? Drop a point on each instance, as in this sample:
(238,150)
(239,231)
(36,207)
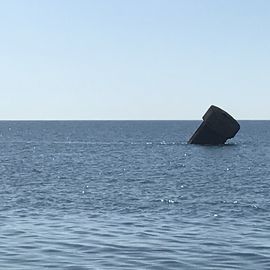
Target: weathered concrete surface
(217,127)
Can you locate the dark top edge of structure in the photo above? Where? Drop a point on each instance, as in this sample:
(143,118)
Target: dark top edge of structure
(217,109)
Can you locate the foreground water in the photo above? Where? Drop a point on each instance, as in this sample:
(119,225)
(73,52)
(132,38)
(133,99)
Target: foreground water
(132,195)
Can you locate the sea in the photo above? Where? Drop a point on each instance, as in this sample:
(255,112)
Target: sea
(132,195)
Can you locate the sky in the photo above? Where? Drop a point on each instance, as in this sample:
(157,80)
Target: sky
(133,59)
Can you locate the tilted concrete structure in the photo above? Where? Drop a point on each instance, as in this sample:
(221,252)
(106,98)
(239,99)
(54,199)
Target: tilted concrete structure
(217,127)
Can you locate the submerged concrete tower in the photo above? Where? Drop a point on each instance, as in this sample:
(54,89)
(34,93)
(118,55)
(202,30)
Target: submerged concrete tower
(217,127)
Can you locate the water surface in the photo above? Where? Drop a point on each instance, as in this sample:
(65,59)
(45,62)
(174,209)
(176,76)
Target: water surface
(132,195)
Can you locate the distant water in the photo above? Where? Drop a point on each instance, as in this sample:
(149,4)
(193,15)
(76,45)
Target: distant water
(132,195)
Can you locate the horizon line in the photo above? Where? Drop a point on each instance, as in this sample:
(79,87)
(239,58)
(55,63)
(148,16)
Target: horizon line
(110,120)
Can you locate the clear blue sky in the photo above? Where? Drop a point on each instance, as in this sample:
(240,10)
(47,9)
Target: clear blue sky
(134,59)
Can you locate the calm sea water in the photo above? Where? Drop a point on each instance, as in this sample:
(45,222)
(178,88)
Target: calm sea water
(132,195)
